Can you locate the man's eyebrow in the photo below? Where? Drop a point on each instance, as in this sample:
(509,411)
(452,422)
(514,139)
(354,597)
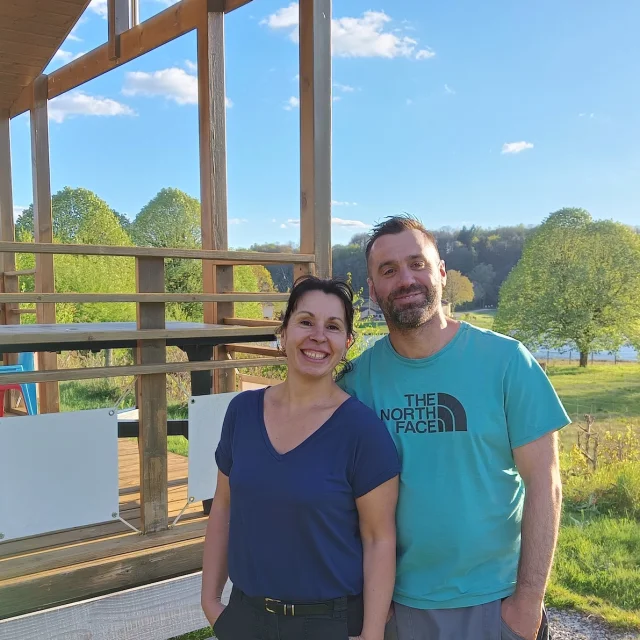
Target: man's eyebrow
(416,256)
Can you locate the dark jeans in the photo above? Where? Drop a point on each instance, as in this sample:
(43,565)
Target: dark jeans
(243,619)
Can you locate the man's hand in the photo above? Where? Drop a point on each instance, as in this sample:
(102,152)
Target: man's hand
(522,617)
(213,611)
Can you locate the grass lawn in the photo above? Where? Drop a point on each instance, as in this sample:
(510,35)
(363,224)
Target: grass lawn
(482,318)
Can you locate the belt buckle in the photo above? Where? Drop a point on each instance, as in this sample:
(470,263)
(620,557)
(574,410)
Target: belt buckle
(267,601)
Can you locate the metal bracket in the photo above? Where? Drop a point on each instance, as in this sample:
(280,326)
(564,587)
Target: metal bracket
(175,522)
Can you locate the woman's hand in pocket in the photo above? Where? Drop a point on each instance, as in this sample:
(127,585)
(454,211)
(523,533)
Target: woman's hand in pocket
(213,610)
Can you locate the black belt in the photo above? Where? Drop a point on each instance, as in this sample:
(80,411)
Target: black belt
(281,608)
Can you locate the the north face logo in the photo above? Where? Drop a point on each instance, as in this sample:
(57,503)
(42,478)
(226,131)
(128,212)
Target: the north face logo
(427,413)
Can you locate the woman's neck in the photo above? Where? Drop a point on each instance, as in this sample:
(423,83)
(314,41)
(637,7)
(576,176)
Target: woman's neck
(303,391)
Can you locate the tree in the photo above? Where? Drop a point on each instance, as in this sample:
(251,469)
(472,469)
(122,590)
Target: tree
(172,220)
(80,216)
(482,277)
(577,283)
(458,289)
(281,274)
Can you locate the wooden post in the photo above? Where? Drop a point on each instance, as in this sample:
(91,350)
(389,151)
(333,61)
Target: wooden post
(118,15)
(315,133)
(43,232)
(213,171)
(8,284)
(152,402)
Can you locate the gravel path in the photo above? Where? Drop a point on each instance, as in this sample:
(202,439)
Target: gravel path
(571,625)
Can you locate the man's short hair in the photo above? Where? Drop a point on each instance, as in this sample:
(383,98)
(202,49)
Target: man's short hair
(397,224)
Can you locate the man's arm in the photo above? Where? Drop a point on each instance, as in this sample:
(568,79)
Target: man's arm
(538,465)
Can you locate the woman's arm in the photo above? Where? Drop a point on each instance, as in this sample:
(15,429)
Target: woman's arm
(216,543)
(377,511)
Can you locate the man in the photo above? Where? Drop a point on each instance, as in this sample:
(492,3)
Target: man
(474,419)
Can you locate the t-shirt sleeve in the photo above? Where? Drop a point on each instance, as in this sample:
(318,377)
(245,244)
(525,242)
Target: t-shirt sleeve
(224,452)
(531,403)
(376,458)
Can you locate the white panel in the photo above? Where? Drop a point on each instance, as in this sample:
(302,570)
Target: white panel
(57,471)
(206,414)
(155,612)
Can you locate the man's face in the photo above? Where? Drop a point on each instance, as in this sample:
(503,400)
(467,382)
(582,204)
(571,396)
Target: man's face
(406,278)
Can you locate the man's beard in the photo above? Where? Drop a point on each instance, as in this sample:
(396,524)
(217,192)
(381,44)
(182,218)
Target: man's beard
(415,314)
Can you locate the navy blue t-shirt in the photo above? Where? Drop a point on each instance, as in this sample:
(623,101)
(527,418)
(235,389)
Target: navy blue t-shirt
(294,532)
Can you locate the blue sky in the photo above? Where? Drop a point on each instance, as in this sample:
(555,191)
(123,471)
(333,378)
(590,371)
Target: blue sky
(459,112)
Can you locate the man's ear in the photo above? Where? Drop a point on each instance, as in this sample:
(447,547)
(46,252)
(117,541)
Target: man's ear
(372,291)
(443,273)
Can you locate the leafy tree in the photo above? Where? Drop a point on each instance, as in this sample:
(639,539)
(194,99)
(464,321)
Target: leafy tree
(281,274)
(482,277)
(81,217)
(577,283)
(458,289)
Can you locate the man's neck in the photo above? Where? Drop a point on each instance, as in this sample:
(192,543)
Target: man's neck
(425,340)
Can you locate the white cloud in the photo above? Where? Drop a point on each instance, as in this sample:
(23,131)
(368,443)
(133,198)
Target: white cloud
(425,54)
(78,103)
(337,98)
(353,224)
(516,147)
(365,37)
(449,90)
(283,226)
(345,88)
(273,219)
(292,103)
(66,56)
(99,7)
(343,203)
(173,84)
(284,18)
(238,220)
(338,222)
(585,115)
(190,65)
(17,210)
(72,35)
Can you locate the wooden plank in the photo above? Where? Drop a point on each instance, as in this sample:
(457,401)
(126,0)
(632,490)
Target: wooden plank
(227,298)
(50,588)
(20,272)
(154,612)
(315,133)
(232,5)
(48,398)
(8,283)
(124,331)
(253,350)
(50,559)
(234,257)
(152,401)
(93,373)
(118,21)
(164,27)
(250,322)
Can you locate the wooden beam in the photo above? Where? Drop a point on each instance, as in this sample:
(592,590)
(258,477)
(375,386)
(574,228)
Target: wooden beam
(9,283)
(85,298)
(152,402)
(232,5)
(213,171)
(118,19)
(20,272)
(235,257)
(253,350)
(39,334)
(250,322)
(164,27)
(43,231)
(95,373)
(315,133)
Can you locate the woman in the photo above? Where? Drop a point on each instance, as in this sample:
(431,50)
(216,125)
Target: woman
(303,518)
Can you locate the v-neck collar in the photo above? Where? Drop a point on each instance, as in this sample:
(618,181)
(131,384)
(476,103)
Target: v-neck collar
(265,434)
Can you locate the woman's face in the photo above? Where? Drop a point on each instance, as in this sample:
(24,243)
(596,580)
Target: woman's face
(315,338)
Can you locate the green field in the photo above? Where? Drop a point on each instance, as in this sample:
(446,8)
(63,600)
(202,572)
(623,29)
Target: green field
(482,318)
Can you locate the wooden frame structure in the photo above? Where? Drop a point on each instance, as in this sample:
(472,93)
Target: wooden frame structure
(32,31)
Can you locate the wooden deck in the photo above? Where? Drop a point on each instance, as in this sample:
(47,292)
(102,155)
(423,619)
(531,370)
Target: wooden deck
(66,566)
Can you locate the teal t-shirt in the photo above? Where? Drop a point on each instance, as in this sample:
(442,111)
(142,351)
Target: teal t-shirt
(455,418)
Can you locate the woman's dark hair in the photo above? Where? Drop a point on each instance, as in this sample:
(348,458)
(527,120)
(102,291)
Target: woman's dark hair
(330,286)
